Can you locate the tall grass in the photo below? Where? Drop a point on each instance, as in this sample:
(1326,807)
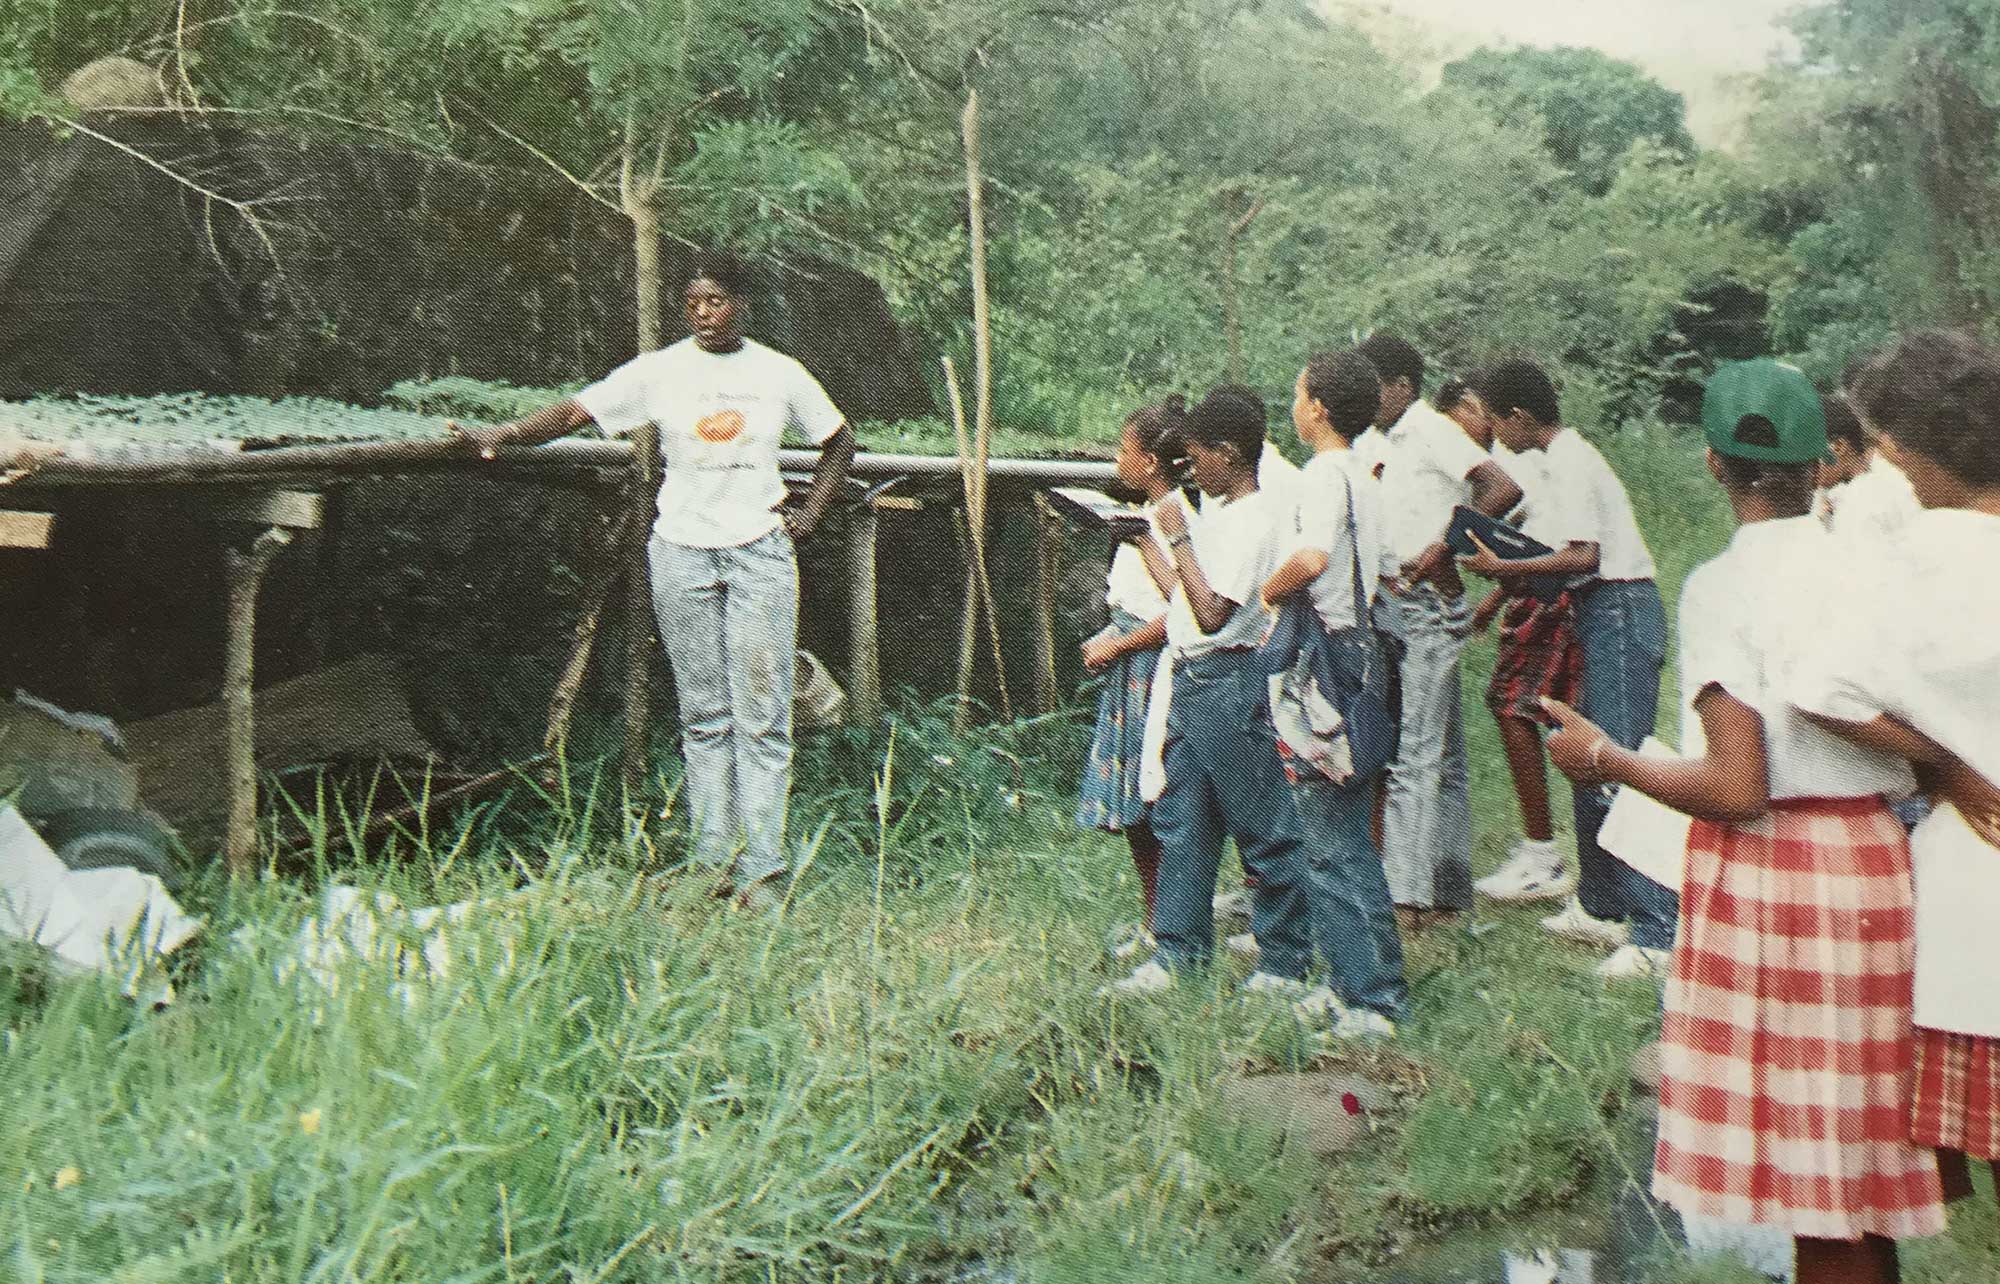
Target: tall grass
(904,1073)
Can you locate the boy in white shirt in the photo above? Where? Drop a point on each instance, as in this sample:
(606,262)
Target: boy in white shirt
(1333,786)
(1431,467)
(1223,777)
(1621,629)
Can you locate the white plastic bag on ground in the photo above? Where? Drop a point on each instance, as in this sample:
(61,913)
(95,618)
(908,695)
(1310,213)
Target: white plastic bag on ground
(106,920)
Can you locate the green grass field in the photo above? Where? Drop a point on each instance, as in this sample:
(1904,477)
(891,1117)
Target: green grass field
(905,1074)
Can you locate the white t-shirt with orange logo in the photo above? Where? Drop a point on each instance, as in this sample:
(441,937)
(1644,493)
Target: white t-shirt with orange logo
(722,419)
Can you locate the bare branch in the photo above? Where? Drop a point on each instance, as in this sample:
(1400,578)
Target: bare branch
(582,185)
(245,209)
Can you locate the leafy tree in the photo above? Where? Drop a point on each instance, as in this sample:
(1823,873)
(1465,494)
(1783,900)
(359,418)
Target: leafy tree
(1590,106)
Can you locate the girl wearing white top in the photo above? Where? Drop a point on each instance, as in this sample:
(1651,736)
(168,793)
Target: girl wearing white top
(1151,460)
(1786,1039)
(1919,674)
(725,577)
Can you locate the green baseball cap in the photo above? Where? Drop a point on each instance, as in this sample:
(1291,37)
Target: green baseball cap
(1775,392)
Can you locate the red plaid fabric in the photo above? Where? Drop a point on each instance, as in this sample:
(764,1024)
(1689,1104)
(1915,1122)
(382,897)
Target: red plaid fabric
(1539,656)
(1958,1093)
(1787,1040)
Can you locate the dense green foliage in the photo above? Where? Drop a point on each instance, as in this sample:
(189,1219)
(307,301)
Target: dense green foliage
(1540,199)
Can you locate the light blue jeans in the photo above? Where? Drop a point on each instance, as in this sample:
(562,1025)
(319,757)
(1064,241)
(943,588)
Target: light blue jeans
(729,618)
(1347,897)
(1427,828)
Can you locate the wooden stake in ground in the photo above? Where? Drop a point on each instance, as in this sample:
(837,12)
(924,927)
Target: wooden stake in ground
(1048,566)
(245,571)
(1232,311)
(978,587)
(596,596)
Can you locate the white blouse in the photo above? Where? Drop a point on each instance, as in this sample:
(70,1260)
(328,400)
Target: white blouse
(1748,616)
(1925,648)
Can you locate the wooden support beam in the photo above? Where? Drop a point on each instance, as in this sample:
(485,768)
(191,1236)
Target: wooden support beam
(296,510)
(864,655)
(25,530)
(1048,566)
(642,501)
(246,571)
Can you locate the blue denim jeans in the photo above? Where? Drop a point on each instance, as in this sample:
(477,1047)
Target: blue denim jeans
(729,618)
(1427,829)
(1622,628)
(1224,780)
(1347,895)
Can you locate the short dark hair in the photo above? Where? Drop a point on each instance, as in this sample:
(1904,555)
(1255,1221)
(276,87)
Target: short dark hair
(1842,424)
(1230,415)
(723,268)
(1346,385)
(1937,392)
(1519,383)
(1394,358)
(1450,393)
(1162,432)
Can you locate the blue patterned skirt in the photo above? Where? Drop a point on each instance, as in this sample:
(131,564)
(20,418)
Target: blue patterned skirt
(1108,795)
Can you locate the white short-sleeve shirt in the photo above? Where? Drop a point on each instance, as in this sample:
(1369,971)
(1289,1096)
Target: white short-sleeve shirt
(1875,505)
(1749,617)
(1424,477)
(1326,484)
(1923,644)
(1238,544)
(1596,507)
(722,419)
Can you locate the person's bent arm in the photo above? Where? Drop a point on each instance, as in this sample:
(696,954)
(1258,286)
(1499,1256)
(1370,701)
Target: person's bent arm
(1494,493)
(1579,557)
(1211,609)
(1731,782)
(545,425)
(828,477)
(1299,570)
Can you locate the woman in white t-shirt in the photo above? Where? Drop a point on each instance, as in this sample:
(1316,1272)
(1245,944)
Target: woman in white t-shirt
(725,577)
(1917,673)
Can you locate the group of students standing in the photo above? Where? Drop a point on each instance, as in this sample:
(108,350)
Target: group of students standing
(1830,1040)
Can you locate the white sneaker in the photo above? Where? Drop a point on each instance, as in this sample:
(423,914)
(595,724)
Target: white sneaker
(1321,1005)
(1635,962)
(1148,978)
(1271,983)
(1534,872)
(1243,945)
(1361,1024)
(1576,924)
(1234,904)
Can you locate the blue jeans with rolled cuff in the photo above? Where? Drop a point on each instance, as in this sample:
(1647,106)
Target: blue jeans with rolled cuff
(1621,626)
(1224,780)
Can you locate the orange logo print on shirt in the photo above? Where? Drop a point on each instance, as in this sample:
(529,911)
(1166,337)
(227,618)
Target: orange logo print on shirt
(723,425)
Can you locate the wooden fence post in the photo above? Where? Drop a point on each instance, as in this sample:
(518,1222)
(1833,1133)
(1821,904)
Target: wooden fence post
(246,571)
(864,656)
(1048,553)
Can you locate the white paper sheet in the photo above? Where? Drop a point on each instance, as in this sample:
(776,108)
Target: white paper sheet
(1647,835)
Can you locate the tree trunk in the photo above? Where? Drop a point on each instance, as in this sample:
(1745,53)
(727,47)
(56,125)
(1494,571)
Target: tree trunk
(645,215)
(1232,309)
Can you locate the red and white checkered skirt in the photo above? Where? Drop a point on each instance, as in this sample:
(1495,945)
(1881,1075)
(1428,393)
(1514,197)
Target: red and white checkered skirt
(1787,1043)
(1958,1093)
